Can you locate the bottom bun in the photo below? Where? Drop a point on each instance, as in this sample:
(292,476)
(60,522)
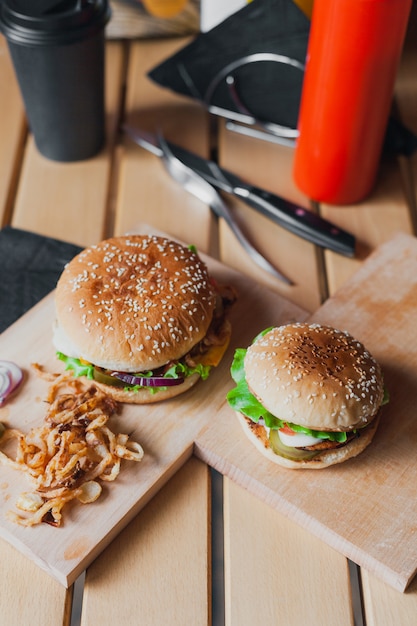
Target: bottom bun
(258,436)
(147,395)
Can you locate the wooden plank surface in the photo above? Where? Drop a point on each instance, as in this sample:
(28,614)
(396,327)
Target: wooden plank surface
(12,132)
(146,192)
(29,595)
(384,606)
(275,572)
(160,561)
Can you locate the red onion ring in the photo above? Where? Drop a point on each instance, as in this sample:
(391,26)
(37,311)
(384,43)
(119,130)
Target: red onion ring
(10,378)
(147,381)
(5,386)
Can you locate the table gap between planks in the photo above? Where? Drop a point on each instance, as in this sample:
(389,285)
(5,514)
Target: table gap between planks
(158,570)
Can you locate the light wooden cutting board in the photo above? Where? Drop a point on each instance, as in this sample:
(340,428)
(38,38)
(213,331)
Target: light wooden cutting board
(166,431)
(365,508)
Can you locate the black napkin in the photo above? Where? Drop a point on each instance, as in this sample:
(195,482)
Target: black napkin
(399,139)
(31,265)
(270,90)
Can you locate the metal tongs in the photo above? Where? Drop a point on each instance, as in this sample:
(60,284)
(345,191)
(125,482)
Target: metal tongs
(200,188)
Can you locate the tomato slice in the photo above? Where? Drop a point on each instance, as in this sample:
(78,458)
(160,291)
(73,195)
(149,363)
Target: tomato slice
(287,430)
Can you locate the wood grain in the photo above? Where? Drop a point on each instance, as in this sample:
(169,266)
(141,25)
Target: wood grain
(257,539)
(385,605)
(29,595)
(146,191)
(12,131)
(127,582)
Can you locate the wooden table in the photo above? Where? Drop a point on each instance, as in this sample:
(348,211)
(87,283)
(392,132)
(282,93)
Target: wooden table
(203,550)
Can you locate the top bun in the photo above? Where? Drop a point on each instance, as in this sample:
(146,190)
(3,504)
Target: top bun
(315,376)
(133,303)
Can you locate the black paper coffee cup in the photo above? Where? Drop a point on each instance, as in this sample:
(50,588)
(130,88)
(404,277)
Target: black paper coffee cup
(57,48)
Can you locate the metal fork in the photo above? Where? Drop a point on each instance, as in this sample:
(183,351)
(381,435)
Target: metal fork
(200,188)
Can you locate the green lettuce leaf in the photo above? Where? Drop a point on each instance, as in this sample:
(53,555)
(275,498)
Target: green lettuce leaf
(242,400)
(79,368)
(182,369)
(178,370)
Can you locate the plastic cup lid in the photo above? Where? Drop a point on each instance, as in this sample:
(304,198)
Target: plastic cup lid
(46,22)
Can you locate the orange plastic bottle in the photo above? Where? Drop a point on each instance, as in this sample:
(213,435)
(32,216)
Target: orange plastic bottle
(352,59)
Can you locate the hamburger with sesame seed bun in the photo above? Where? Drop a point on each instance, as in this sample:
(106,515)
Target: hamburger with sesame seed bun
(141,316)
(307,395)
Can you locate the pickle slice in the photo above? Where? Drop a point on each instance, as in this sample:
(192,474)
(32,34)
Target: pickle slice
(101,377)
(294,454)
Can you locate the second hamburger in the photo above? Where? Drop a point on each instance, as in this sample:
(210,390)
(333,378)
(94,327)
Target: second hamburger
(307,395)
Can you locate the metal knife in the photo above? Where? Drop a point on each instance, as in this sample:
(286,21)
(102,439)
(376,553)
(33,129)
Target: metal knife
(292,217)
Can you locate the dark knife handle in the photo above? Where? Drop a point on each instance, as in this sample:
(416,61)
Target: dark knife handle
(298,220)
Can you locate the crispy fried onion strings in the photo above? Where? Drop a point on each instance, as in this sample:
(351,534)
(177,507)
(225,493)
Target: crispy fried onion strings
(66,456)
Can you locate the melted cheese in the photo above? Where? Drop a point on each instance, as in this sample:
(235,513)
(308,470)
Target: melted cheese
(214,354)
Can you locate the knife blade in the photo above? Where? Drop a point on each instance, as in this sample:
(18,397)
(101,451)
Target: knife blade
(292,217)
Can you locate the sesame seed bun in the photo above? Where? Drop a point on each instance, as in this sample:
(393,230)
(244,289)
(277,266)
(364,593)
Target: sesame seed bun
(317,377)
(133,303)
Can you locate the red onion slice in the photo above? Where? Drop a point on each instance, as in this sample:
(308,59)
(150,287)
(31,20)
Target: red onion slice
(14,371)
(147,381)
(10,378)
(5,385)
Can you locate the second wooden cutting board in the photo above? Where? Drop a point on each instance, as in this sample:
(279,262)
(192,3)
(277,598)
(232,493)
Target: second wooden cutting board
(365,508)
